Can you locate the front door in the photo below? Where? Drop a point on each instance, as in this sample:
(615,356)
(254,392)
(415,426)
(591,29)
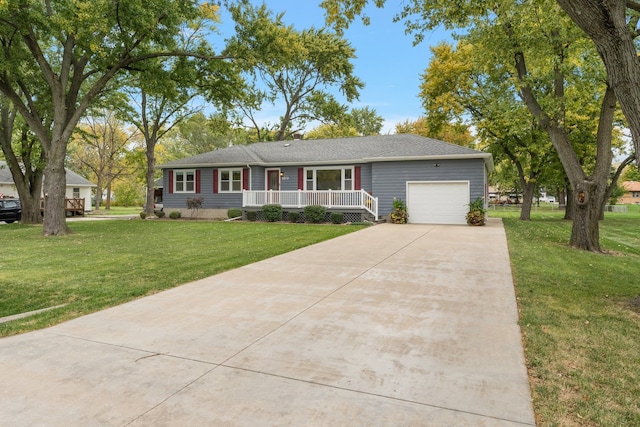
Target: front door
(273,184)
(273,180)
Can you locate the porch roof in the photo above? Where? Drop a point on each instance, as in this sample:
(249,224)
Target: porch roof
(364,149)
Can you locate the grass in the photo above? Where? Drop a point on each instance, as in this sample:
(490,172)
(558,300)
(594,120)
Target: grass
(118,210)
(106,263)
(580,332)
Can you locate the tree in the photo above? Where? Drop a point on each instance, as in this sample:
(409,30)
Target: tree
(452,132)
(457,84)
(284,65)
(359,122)
(549,62)
(196,135)
(99,148)
(613,26)
(25,159)
(75,49)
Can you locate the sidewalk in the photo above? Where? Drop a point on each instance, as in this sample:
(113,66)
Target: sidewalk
(395,325)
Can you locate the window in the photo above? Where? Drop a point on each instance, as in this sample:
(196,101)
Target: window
(230,180)
(635,194)
(76,193)
(330,179)
(185,181)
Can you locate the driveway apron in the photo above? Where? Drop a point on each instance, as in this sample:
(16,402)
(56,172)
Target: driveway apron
(394,325)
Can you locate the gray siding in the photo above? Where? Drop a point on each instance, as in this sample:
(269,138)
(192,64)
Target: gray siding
(385,180)
(211,201)
(389,178)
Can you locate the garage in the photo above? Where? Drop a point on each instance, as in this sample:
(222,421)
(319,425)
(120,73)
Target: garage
(437,202)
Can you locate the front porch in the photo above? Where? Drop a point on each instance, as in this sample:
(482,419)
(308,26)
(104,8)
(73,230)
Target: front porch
(330,199)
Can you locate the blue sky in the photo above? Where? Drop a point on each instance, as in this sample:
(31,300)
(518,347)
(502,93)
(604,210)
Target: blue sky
(388,63)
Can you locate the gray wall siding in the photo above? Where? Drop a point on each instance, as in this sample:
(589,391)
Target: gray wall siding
(211,201)
(384,180)
(389,178)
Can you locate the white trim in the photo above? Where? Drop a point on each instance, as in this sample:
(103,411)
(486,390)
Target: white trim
(231,180)
(341,168)
(462,210)
(266,177)
(184,172)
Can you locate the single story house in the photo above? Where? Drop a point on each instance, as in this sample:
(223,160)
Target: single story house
(631,193)
(358,176)
(77,186)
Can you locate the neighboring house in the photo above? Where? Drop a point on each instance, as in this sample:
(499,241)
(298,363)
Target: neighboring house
(631,192)
(357,176)
(77,186)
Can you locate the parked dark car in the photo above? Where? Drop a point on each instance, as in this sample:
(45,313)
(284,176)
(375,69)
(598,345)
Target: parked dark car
(10,210)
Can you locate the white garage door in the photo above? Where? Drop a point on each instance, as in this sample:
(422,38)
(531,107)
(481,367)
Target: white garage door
(438,202)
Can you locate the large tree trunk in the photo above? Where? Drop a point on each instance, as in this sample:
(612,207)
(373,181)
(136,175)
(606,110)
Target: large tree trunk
(605,22)
(527,200)
(55,184)
(585,233)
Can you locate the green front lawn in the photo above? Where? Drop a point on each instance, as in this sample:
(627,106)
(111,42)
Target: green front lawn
(580,330)
(106,263)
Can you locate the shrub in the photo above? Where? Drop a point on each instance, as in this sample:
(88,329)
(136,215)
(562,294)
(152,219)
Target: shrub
(252,215)
(160,214)
(272,213)
(337,217)
(315,213)
(234,213)
(143,215)
(399,214)
(294,216)
(175,215)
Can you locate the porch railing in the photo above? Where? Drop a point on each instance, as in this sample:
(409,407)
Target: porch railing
(357,199)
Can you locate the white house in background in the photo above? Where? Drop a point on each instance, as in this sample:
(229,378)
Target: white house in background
(77,186)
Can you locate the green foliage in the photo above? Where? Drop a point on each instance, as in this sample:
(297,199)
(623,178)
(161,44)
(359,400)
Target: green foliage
(234,213)
(359,122)
(477,212)
(252,215)
(293,66)
(143,215)
(315,213)
(399,213)
(71,53)
(272,213)
(160,214)
(294,217)
(337,217)
(616,193)
(175,214)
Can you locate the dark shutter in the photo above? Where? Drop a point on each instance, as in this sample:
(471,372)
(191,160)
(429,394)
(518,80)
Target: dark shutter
(215,181)
(197,181)
(356,179)
(245,178)
(300,178)
(170,182)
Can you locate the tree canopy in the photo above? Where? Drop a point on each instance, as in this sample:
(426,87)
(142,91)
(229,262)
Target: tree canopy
(290,68)
(57,58)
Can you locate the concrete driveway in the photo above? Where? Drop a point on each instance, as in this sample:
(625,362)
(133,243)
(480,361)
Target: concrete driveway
(395,325)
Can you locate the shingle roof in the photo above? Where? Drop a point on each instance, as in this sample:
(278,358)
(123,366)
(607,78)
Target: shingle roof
(364,149)
(631,185)
(72,177)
